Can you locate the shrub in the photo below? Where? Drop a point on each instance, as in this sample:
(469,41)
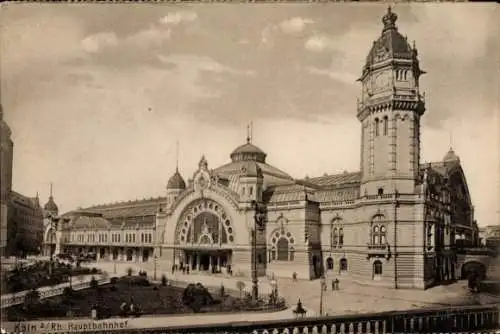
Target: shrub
(113,280)
(140,280)
(67,292)
(196,296)
(31,300)
(94,271)
(130,271)
(163,280)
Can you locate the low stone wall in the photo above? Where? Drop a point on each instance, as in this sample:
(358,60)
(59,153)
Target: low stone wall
(51,291)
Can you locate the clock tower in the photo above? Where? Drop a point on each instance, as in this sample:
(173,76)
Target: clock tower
(389,111)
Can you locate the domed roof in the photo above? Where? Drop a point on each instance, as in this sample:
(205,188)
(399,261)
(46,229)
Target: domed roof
(391,43)
(248,152)
(451,156)
(51,205)
(176,181)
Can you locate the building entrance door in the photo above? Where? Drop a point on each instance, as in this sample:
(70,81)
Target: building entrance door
(204,262)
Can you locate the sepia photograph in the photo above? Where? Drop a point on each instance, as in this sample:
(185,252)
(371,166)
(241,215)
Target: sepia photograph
(251,167)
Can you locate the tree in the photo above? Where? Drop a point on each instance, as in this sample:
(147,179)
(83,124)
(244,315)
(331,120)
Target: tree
(240,285)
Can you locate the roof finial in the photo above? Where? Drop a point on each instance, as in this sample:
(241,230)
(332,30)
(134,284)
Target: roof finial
(51,190)
(177,156)
(451,140)
(248,133)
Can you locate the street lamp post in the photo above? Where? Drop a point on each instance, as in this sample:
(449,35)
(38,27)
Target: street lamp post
(322,284)
(259,219)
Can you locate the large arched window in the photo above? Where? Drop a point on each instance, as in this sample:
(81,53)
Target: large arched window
(335,237)
(386,125)
(377,268)
(282,248)
(377,124)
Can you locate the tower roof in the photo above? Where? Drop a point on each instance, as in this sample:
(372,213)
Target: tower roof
(51,205)
(451,156)
(390,44)
(176,181)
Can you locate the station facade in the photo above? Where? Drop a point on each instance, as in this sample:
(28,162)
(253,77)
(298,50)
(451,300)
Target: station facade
(393,223)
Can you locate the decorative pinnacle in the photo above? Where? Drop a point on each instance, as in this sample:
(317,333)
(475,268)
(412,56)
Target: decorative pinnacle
(389,19)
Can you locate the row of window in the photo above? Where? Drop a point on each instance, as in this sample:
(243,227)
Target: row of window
(115,238)
(377,266)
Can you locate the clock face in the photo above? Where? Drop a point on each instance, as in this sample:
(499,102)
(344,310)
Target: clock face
(381,80)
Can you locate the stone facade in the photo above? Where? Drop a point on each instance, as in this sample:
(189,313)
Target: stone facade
(394,223)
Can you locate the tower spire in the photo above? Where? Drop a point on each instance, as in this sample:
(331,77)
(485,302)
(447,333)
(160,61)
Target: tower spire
(51,190)
(451,140)
(251,131)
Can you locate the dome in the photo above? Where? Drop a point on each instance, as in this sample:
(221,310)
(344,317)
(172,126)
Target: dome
(391,43)
(176,181)
(51,206)
(451,156)
(248,152)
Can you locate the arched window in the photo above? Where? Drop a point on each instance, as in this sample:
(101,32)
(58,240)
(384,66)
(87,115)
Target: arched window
(273,254)
(250,191)
(341,237)
(243,191)
(386,126)
(382,235)
(329,263)
(282,249)
(343,265)
(377,126)
(379,231)
(377,268)
(375,235)
(335,237)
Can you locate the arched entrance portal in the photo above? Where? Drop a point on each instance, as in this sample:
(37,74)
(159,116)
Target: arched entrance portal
(204,238)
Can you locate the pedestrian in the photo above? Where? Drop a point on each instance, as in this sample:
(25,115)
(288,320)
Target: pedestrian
(336,284)
(187,270)
(333,285)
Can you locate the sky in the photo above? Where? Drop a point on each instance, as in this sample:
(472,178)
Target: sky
(97,95)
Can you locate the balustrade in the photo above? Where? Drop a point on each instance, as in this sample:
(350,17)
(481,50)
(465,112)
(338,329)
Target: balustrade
(442,320)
